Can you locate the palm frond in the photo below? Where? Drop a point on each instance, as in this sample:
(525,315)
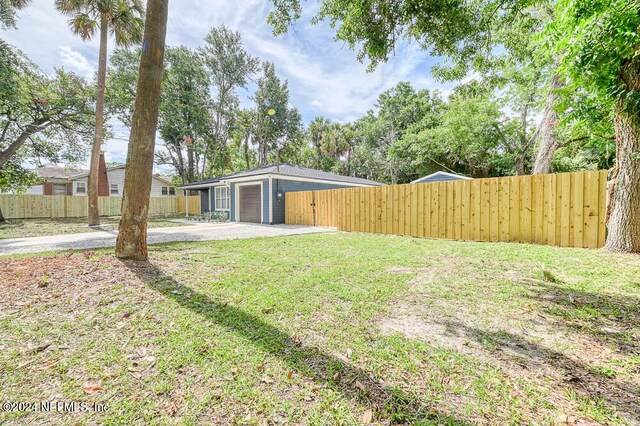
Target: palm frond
(19,4)
(84,25)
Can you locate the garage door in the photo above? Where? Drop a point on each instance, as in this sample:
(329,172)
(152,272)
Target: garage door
(250,203)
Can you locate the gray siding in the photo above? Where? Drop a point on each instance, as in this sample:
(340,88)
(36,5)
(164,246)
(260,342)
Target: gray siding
(294,186)
(284,185)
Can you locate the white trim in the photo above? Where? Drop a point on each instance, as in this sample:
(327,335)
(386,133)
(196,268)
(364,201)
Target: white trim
(203,186)
(442,173)
(270,200)
(294,178)
(215,199)
(237,199)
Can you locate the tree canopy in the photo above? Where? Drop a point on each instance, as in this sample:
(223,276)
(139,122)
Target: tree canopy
(42,118)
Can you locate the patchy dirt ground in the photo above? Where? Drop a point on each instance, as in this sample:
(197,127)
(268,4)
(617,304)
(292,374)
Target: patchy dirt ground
(539,333)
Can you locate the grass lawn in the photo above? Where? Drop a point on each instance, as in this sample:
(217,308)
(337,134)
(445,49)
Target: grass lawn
(337,328)
(21,228)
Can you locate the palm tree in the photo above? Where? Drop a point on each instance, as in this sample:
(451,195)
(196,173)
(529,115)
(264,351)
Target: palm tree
(123,20)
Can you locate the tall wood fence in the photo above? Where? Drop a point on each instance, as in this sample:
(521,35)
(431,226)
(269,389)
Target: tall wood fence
(566,209)
(67,206)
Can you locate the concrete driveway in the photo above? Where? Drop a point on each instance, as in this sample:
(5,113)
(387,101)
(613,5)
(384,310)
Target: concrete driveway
(199,232)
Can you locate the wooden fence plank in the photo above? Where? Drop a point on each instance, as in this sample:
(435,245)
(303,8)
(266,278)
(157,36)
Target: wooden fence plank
(413,210)
(602,208)
(564,212)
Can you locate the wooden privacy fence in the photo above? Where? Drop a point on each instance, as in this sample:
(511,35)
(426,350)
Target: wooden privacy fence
(566,209)
(192,202)
(62,206)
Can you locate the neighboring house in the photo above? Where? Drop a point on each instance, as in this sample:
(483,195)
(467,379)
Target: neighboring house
(440,177)
(56,180)
(160,185)
(258,195)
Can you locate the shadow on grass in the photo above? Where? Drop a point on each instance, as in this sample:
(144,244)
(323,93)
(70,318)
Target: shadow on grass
(390,404)
(614,320)
(577,376)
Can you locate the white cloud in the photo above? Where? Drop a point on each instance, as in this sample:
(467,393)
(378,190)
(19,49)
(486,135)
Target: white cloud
(72,60)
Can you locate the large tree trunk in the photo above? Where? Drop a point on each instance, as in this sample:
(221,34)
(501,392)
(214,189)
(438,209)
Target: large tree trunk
(1,216)
(94,171)
(548,138)
(132,235)
(624,219)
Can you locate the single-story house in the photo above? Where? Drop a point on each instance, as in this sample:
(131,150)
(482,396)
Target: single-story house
(440,177)
(258,195)
(160,185)
(56,180)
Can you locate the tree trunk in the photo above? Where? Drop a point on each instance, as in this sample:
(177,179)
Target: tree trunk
(31,129)
(246,151)
(132,235)
(1,216)
(548,138)
(520,164)
(624,220)
(94,170)
(190,162)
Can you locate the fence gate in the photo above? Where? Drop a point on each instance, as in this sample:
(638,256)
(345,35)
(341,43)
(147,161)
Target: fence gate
(312,208)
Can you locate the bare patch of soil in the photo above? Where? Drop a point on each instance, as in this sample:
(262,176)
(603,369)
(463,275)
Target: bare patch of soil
(518,335)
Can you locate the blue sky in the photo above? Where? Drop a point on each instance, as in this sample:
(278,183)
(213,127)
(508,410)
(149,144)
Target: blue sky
(325,78)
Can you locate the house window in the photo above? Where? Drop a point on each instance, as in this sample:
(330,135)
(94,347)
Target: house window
(81,188)
(172,190)
(222,198)
(165,190)
(114,189)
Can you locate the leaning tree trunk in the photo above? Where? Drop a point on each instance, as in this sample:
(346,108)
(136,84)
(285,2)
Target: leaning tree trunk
(624,220)
(548,138)
(94,171)
(30,130)
(132,235)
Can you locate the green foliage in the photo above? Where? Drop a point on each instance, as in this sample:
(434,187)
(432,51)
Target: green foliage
(596,39)
(200,122)
(15,177)
(376,27)
(8,12)
(228,67)
(42,118)
(471,138)
(125,18)
(185,121)
(373,140)
(277,126)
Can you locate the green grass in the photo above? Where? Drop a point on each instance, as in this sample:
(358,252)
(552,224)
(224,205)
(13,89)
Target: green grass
(21,228)
(319,329)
